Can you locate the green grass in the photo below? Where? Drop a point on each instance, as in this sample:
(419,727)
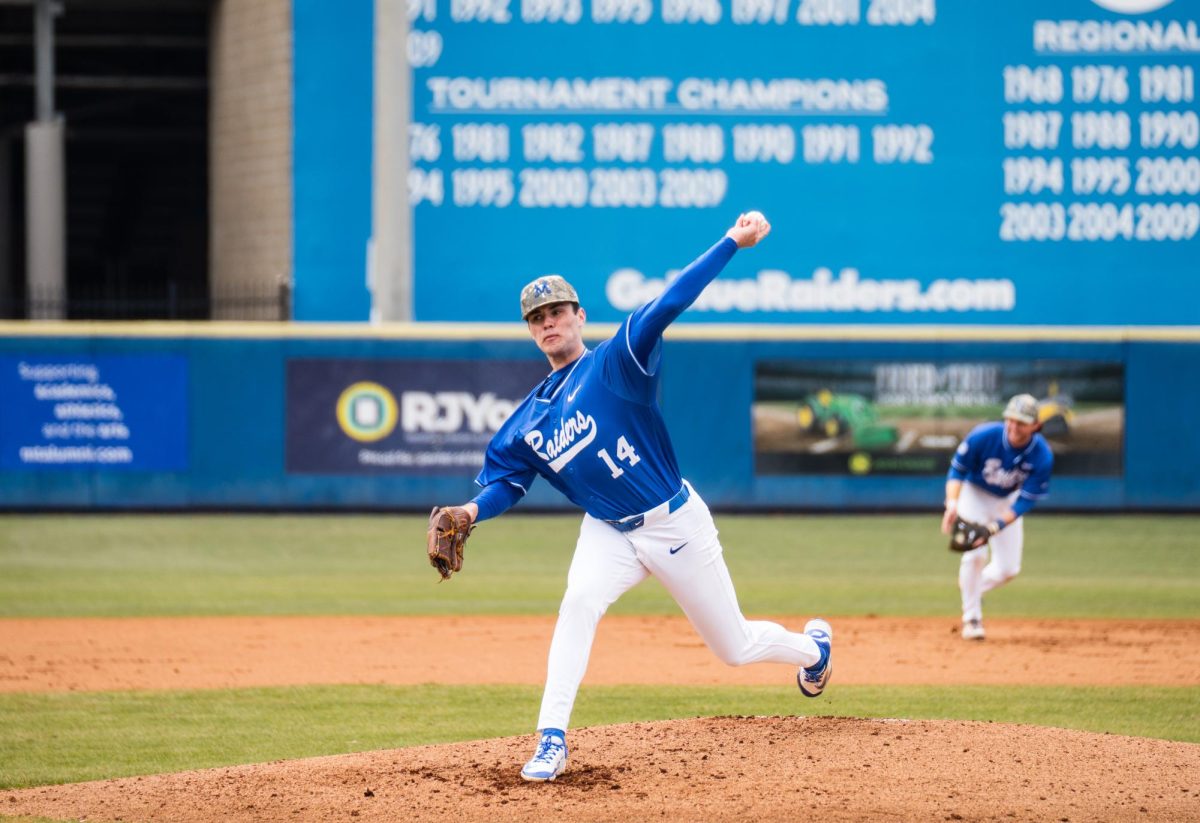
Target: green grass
(127,565)
(51,566)
(57,738)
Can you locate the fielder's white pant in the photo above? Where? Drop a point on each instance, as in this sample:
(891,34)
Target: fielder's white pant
(608,563)
(976,575)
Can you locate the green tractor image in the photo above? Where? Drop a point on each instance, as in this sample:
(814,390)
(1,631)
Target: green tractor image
(834,415)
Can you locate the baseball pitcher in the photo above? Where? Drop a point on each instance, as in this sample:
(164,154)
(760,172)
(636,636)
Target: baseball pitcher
(594,430)
(996,476)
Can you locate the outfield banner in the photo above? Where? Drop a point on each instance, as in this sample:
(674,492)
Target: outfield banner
(888,418)
(405,417)
(1012,163)
(98,413)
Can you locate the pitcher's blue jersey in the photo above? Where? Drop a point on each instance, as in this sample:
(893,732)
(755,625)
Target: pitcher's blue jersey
(594,430)
(985,459)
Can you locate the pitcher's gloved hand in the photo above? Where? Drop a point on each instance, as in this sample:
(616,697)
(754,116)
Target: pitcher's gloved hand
(449,528)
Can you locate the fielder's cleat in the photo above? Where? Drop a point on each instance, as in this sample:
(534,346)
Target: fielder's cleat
(973,630)
(812,681)
(548,761)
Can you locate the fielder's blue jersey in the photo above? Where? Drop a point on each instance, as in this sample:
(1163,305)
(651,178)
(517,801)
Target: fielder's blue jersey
(985,459)
(594,428)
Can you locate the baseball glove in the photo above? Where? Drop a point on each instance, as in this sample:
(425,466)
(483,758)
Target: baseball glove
(449,528)
(965,535)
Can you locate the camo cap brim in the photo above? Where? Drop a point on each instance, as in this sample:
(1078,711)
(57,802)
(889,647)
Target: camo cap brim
(544,291)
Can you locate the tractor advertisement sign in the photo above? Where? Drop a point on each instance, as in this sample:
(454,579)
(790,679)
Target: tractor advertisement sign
(878,418)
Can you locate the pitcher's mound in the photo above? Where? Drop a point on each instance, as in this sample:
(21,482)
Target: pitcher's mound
(706,769)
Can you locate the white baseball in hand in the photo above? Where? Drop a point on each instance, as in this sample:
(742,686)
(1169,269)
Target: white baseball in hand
(756,217)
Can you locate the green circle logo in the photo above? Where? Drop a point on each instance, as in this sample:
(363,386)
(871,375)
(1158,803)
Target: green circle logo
(367,412)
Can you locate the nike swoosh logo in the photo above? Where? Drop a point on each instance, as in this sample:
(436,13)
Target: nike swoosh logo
(571,396)
(680,546)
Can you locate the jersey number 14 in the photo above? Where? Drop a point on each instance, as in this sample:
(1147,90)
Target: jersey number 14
(624,452)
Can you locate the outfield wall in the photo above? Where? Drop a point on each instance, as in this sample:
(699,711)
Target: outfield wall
(241,416)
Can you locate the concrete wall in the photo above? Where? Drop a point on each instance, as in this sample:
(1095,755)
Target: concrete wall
(250,151)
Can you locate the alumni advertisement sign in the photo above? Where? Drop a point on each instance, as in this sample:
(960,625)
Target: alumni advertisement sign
(115,412)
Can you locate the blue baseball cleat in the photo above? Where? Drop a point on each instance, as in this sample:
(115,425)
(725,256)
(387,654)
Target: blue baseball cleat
(549,760)
(812,681)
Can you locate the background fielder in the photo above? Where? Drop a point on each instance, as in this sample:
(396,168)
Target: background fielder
(595,431)
(996,476)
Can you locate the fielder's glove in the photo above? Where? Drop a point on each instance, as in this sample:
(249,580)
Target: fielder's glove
(449,528)
(965,535)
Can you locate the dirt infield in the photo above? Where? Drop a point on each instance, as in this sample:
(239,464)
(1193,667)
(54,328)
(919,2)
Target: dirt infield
(704,769)
(232,652)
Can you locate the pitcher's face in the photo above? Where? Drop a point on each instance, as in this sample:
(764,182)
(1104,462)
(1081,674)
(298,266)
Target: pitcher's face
(557,329)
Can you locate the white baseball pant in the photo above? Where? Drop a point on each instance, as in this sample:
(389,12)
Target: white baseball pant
(976,575)
(681,549)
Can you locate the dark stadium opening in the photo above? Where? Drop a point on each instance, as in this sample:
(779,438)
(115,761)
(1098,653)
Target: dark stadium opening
(131,85)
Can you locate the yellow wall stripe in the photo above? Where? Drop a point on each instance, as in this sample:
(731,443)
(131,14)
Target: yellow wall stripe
(597,331)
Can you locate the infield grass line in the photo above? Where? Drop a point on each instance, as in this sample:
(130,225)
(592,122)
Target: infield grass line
(71,737)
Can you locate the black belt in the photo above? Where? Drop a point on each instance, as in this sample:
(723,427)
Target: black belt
(636,521)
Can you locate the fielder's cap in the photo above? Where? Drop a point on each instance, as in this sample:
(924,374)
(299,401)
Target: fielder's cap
(544,291)
(1023,408)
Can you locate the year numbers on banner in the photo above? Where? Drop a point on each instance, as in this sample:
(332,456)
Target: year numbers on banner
(1090,222)
(620,188)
